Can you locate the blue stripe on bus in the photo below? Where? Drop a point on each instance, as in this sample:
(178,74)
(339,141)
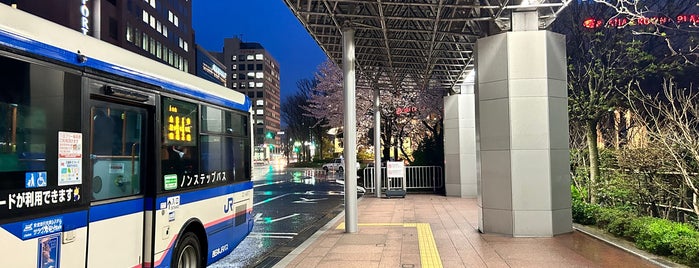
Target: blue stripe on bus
(116,209)
(34,47)
(69,221)
(202,194)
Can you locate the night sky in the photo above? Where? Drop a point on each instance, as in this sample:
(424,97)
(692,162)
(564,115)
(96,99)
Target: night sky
(268,22)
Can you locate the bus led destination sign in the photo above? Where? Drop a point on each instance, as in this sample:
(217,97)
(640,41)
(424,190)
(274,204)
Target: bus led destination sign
(180,123)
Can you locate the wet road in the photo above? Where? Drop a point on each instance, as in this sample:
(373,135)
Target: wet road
(289,206)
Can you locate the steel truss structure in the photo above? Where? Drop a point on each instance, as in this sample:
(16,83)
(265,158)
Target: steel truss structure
(414,44)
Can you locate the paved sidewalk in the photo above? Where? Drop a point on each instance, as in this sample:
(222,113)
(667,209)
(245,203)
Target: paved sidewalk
(436,231)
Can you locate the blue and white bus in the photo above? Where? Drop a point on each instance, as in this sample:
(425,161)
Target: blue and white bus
(109,159)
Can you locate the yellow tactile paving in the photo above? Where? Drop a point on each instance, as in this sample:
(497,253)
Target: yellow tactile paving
(429,255)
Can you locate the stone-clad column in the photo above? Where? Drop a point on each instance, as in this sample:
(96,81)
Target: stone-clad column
(460,144)
(522,128)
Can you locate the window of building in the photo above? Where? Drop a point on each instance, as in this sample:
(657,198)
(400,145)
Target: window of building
(250,57)
(259,84)
(260,94)
(144,43)
(169,15)
(234,58)
(251,66)
(170,57)
(234,85)
(251,94)
(259,75)
(145,16)
(176,21)
(241,77)
(251,75)
(241,57)
(158,50)
(159,27)
(242,85)
(260,102)
(234,75)
(234,67)
(260,112)
(241,67)
(129,33)
(152,21)
(258,67)
(186,46)
(137,37)
(152,3)
(151,48)
(251,84)
(164,31)
(259,57)
(113,29)
(260,122)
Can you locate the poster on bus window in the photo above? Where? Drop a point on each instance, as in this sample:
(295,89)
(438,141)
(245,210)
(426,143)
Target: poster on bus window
(70,153)
(49,247)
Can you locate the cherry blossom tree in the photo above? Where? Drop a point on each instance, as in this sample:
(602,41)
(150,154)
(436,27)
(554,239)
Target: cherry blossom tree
(406,112)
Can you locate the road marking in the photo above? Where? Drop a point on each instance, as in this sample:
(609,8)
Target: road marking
(260,219)
(273,235)
(270,199)
(429,255)
(308,200)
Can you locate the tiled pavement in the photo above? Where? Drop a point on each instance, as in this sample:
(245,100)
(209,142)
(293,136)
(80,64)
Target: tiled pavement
(436,231)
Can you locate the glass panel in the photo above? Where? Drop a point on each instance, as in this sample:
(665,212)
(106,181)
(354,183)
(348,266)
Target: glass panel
(212,119)
(115,151)
(37,103)
(179,151)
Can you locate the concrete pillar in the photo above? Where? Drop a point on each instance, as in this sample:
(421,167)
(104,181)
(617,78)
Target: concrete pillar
(350,130)
(522,128)
(460,144)
(377,142)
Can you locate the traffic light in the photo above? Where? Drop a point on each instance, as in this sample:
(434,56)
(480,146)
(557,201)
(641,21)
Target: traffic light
(271,146)
(269,135)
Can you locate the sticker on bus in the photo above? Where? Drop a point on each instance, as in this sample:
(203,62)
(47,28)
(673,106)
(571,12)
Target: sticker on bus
(49,248)
(35,179)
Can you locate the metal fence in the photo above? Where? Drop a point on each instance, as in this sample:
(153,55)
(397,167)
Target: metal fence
(416,178)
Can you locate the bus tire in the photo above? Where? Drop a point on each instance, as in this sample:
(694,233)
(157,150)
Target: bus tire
(188,252)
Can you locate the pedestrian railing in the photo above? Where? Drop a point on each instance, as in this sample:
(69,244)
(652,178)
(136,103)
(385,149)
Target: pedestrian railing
(416,178)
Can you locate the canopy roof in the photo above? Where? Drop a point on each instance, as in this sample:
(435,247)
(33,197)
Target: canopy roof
(420,44)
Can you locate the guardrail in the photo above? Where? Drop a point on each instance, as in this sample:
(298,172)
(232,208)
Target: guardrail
(416,177)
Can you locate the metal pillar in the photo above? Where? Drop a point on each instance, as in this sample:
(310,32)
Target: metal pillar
(350,130)
(377,142)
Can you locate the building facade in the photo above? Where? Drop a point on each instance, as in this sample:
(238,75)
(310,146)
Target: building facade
(209,67)
(158,29)
(253,71)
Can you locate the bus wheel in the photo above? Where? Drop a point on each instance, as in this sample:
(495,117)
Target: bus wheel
(187,252)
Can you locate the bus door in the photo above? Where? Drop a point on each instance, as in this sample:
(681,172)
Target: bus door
(118,147)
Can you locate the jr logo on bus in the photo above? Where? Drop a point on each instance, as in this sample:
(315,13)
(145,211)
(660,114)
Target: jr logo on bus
(228,207)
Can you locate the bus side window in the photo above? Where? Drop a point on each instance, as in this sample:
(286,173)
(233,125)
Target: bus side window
(103,133)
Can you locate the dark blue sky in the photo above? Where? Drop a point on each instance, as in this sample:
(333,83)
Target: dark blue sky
(268,22)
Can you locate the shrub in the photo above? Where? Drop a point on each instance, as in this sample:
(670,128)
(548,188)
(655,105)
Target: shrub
(614,221)
(686,249)
(659,235)
(583,212)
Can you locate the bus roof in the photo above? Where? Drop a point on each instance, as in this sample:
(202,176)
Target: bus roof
(31,34)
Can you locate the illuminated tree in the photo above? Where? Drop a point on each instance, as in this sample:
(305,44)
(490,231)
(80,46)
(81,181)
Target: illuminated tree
(602,62)
(406,111)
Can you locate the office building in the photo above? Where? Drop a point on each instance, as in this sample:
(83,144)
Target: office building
(158,29)
(253,71)
(209,67)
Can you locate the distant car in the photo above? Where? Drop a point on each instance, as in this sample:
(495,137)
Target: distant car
(338,164)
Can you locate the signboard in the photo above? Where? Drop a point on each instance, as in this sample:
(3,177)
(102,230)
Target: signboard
(69,158)
(395,169)
(179,124)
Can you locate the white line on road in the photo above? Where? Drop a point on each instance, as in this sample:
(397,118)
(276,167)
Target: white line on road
(270,199)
